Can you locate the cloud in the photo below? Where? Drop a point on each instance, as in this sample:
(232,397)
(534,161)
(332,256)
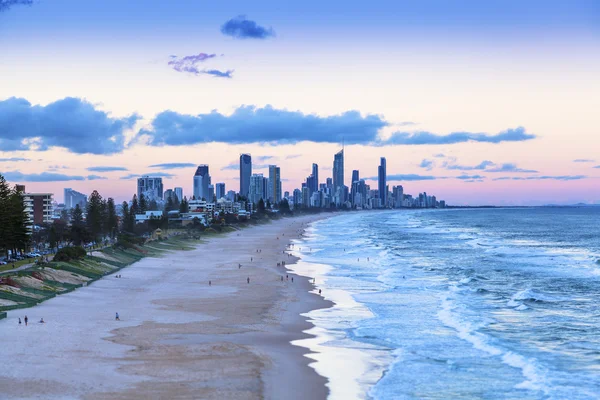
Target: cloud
(173,165)
(189,64)
(153,174)
(242,28)
(14,159)
(427,164)
(470,177)
(218,74)
(236,166)
(583,160)
(292,156)
(263,158)
(6,4)
(95,177)
(509,167)
(250,124)
(407,177)
(70,123)
(439,155)
(17,176)
(106,169)
(481,166)
(543,177)
(422,138)
(597,166)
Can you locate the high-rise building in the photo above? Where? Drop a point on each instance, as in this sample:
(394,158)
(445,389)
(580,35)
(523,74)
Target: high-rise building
(168,194)
(72,198)
(39,207)
(398,193)
(274,184)
(201,182)
(211,194)
(219,190)
(257,188)
(381,180)
(179,193)
(338,170)
(353,186)
(151,187)
(297,197)
(245,174)
(315,174)
(231,195)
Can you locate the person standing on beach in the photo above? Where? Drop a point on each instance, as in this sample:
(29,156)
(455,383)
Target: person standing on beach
(19,320)
(26,319)
(248,280)
(117,317)
(209,283)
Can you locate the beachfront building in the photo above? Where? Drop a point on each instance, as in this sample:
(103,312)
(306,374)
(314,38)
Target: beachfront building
(274,184)
(245,174)
(73,198)
(140,218)
(257,188)
(39,208)
(151,187)
(338,177)
(381,182)
(398,195)
(201,182)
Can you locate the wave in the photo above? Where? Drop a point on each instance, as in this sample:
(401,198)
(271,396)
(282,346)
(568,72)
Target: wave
(533,296)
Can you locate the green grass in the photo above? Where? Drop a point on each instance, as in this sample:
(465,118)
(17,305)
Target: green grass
(9,266)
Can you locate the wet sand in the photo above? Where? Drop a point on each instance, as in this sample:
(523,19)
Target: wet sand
(178,337)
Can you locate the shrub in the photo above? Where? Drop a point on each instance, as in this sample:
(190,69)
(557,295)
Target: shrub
(70,253)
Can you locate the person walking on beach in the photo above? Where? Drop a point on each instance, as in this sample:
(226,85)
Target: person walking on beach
(251,259)
(209,283)
(319,291)
(248,280)
(26,319)
(19,320)
(292,279)
(117,317)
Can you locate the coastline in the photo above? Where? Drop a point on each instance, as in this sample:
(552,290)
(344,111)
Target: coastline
(178,337)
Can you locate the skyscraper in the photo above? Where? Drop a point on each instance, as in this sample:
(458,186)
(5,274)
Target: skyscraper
(381,180)
(353,186)
(219,190)
(398,196)
(151,187)
(179,193)
(256,188)
(201,182)
(245,174)
(72,198)
(274,184)
(338,177)
(315,174)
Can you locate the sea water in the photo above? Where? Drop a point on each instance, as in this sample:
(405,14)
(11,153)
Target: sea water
(446,304)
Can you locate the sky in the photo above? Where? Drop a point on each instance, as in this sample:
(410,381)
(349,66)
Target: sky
(494,102)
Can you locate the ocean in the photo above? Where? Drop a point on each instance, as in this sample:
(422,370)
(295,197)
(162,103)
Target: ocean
(448,304)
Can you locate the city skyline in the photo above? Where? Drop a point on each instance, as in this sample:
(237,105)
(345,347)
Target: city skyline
(482,104)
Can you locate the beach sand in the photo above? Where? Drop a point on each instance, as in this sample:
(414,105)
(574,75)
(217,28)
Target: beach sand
(178,337)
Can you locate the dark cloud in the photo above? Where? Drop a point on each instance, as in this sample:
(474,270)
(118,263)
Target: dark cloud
(423,138)
(249,124)
(172,165)
(95,177)
(583,160)
(427,164)
(509,167)
(106,169)
(70,123)
(6,4)
(543,177)
(242,28)
(14,159)
(17,176)
(153,174)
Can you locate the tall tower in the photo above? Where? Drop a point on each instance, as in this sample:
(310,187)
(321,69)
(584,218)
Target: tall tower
(201,182)
(315,174)
(338,170)
(245,174)
(274,184)
(382,185)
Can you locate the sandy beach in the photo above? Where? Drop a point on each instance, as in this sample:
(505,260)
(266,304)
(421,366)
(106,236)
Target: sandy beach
(178,337)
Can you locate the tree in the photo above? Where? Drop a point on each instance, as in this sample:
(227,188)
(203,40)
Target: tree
(18,222)
(284,207)
(268,204)
(169,205)
(78,230)
(126,219)
(95,215)
(261,206)
(152,205)
(184,207)
(135,208)
(112,222)
(4,215)
(143,204)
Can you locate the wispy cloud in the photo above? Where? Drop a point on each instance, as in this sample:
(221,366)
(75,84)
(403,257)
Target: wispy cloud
(6,4)
(543,177)
(292,156)
(584,160)
(243,28)
(218,74)
(95,177)
(14,159)
(597,166)
(172,165)
(481,166)
(509,167)
(470,177)
(407,177)
(154,174)
(17,176)
(71,123)
(439,155)
(236,166)
(190,64)
(263,158)
(427,164)
(487,166)
(422,138)
(106,169)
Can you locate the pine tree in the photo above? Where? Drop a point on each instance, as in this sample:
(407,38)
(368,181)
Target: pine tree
(135,207)
(169,204)
(143,204)
(112,222)
(94,215)
(78,230)
(184,206)
(126,219)
(261,206)
(18,222)
(152,205)
(4,215)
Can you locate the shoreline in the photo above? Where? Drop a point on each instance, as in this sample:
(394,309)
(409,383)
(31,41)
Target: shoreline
(178,337)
